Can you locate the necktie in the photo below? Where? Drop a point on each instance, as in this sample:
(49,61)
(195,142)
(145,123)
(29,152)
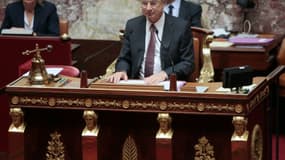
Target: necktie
(149,62)
(170,9)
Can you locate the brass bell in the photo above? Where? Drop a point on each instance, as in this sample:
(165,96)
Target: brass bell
(38,74)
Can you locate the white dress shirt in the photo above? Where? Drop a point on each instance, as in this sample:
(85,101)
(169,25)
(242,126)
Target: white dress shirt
(28,26)
(176,7)
(159,25)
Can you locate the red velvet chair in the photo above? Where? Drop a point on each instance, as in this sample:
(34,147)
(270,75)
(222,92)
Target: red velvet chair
(67,69)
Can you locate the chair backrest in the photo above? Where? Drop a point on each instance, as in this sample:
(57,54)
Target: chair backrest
(196,48)
(281,54)
(63,26)
(199,41)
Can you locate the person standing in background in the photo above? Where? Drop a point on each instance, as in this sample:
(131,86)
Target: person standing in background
(189,11)
(38,16)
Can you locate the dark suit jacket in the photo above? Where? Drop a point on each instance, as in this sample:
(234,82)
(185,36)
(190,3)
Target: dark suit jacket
(192,12)
(46,21)
(176,46)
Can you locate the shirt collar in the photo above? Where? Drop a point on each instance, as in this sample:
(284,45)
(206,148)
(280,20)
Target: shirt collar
(175,4)
(158,25)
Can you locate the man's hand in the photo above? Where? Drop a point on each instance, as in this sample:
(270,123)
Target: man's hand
(117,76)
(156,78)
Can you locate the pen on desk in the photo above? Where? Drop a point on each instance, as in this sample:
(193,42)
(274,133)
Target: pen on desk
(62,82)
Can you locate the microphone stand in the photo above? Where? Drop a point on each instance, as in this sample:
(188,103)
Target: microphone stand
(172,76)
(173,79)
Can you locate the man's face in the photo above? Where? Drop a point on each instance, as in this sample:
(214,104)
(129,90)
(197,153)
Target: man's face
(152,9)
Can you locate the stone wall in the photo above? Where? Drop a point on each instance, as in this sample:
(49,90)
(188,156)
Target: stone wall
(102,19)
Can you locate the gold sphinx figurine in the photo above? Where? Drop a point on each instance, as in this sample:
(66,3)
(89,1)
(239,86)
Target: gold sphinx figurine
(91,127)
(17,116)
(165,130)
(240,132)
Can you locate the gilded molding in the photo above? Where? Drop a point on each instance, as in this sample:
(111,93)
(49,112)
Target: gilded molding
(159,105)
(204,150)
(256,143)
(15,100)
(130,151)
(55,148)
(259,97)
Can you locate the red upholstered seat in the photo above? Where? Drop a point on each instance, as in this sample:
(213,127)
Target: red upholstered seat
(67,70)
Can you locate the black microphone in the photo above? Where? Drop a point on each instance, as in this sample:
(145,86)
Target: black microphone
(172,77)
(166,47)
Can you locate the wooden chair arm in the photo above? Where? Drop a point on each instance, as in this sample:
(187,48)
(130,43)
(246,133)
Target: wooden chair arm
(200,30)
(281,54)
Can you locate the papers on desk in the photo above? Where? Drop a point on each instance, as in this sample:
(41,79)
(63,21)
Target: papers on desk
(165,84)
(250,40)
(16,31)
(248,89)
(221,44)
(51,71)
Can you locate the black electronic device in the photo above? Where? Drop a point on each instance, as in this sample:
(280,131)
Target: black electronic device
(236,77)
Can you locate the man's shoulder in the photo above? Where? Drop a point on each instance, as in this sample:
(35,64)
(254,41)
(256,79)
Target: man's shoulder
(48,4)
(14,5)
(189,4)
(176,20)
(136,19)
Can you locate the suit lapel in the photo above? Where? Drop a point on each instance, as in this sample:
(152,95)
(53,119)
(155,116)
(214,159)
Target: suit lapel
(21,17)
(140,41)
(168,32)
(182,10)
(37,17)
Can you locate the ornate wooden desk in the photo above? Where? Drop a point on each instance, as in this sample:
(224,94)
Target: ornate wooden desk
(202,122)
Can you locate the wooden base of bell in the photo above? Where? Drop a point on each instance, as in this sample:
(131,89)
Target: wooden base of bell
(89,148)
(163,149)
(240,150)
(16,146)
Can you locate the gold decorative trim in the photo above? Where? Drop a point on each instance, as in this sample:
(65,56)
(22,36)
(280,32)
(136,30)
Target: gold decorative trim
(238,108)
(259,98)
(256,143)
(15,100)
(88,102)
(163,106)
(128,104)
(125,104)
(129,149)
(51,102)
(201,107)
(204,150)
(55,148)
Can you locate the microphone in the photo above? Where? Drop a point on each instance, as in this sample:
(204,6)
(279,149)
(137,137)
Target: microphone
(172,77)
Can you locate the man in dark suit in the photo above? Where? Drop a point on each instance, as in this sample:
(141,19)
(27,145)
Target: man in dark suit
(34,15)
(187,10)
(173,46)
